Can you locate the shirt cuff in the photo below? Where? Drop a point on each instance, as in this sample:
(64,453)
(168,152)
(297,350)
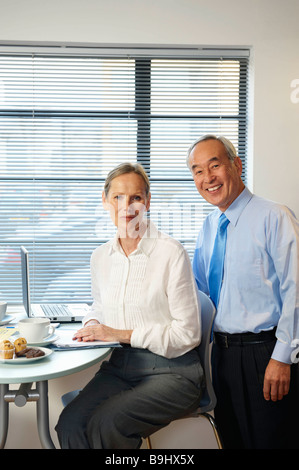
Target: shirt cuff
(89,318)
(135,340)
(282,352)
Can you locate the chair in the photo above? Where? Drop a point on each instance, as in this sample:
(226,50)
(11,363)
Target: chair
(208,399)
(68,397)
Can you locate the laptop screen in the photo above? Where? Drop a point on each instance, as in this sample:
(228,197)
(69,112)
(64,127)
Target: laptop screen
(25,279)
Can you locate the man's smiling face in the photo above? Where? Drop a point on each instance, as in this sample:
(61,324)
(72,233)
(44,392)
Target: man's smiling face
(217,178)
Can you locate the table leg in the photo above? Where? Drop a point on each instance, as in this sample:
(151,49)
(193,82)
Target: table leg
(3,415)
(20,398)
(42,410)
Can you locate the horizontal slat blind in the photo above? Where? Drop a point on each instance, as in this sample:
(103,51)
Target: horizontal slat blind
(66,120)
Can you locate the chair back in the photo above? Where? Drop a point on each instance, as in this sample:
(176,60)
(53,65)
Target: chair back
(207,311)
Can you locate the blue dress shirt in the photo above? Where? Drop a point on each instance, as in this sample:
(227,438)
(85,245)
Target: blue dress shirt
(260,287)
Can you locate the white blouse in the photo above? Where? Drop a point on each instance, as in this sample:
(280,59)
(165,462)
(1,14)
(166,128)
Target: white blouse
(152,292)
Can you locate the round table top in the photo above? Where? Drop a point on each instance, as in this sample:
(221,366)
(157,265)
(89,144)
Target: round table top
(57,364)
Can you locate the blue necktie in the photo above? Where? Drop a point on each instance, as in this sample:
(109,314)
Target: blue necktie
(217,260)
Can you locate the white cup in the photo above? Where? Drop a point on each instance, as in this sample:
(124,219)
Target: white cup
(3,307)
(35,330)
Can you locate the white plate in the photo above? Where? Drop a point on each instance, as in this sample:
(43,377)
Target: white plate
(26,360)
(48,340)
(7,319)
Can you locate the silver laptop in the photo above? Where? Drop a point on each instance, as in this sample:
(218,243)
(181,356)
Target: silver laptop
(55,312)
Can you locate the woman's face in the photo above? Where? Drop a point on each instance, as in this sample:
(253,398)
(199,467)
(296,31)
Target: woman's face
(127,202)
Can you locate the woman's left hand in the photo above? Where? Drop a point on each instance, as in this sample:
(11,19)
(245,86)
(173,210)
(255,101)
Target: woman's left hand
(101,332)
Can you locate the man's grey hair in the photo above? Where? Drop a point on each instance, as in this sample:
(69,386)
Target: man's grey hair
(229,147)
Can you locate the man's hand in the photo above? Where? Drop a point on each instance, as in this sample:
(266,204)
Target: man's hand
(276,380)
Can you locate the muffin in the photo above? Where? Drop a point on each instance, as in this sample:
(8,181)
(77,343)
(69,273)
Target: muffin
(6,350)
(20,344)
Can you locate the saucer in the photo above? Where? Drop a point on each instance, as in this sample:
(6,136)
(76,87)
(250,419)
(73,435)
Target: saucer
(48,340)
(7,319)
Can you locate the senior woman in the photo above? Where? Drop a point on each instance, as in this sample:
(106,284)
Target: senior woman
(145,298)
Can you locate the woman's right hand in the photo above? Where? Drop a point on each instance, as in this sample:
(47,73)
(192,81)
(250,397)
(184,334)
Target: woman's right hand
(99,332)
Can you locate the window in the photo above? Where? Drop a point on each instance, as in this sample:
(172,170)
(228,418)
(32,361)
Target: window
(68,116)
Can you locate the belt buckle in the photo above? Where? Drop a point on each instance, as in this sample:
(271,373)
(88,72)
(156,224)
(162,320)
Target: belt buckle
(225,341)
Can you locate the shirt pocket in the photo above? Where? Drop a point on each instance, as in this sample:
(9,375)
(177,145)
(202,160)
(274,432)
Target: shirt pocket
(252,277)
(245,273)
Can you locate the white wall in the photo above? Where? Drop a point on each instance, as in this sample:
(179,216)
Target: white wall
(269,27)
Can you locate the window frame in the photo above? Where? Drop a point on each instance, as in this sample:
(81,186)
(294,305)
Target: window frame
(143,56)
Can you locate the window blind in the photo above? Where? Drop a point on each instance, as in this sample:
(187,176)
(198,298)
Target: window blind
(67,118)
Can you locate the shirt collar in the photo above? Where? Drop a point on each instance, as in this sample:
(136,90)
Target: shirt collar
(145,245)
(236,208)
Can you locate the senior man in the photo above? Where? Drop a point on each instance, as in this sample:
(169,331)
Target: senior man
(257,300)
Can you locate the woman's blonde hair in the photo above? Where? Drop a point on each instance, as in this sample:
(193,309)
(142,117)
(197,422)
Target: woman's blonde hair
(123,169)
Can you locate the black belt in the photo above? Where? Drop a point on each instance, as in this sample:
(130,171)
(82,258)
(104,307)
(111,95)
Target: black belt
(226,340)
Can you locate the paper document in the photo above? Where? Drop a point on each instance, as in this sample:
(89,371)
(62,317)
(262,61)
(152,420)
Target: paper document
(65,341)
(6,333)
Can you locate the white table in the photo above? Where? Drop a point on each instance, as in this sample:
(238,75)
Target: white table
(57,364)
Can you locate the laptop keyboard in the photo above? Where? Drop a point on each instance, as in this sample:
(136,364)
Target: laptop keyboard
(55,310)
